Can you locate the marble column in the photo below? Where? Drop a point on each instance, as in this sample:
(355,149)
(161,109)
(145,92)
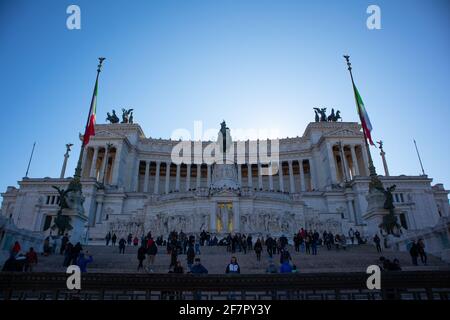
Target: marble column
(136,178)
(116,166)
(158,169)
(236,217)
(177,179)
(199,175)
(312,174)
(291,177)
(146,177)
(270,177)
(93,170)
(260,180)
(351,210)
(280,175)
(332,163)
(366,160)
(167,177)
(302,176)
(344,162)
(354,160)
(104,165)
(208,176)
(98,213)
(239,167)
(188,177)
(83,161)
(213,217)
(249,175)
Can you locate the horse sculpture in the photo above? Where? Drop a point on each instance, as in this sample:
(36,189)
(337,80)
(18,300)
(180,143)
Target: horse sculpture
(112,118)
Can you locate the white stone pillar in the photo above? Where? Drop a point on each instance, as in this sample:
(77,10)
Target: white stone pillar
(249,175)
(116,166)
(93,170)
(302,176)
(332,163)
(280,176)
(239,174)
(351,212)
(312,174)
(158,169)
(199,175)
(167,177)
(270,177)
(212,216)
(146,177)
(136,181)
(354,160)
(291,177)
(344,163)
(104,165)
(83,161)
(188,177)
(98,214)
(177,179)
(366,160)
(236,217)
(260,180)
(208,176)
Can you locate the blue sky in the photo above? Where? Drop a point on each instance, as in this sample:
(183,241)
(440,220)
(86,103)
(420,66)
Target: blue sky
(255,63)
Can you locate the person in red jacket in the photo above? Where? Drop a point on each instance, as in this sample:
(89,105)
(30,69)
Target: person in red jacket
(15,249)
(32,260)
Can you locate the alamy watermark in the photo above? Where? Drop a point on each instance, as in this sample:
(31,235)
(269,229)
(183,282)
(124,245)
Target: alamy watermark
(207,147)
(373,22)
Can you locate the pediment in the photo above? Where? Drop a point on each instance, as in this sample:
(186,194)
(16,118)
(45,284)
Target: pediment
(343,133)
(107,134)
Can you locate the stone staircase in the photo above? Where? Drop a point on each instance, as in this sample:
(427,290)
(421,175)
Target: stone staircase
(354,259)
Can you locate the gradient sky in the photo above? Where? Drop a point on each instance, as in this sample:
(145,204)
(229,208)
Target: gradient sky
(255,63)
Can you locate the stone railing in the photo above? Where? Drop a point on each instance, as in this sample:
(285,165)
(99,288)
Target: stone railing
(331,286)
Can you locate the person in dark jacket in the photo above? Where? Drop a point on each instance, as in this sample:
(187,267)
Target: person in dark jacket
(141,257)
(114,239)
(233,267)
(421,250)
(108,238)
(122,244)
(190,255)
(258,249)
(178,268)
(414,252)
(75,252)
(198,268)
(64,241)
(377,241)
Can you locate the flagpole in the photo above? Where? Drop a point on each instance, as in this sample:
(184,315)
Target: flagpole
(418,155)
(29,162)
(75,184)
(372,172)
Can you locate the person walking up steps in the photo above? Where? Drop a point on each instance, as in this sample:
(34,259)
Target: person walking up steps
(152,250)
(377,241)
(141,257)
(114,239)
(421,250)
(122,244)
(258,249)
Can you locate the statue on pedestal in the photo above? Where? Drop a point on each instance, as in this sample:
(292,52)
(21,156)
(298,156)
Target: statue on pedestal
(389,223)
(112,118)
(126,115)
(62,222)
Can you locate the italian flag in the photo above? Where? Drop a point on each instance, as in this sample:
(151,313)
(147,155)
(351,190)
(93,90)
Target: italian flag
(363,116)
(90,128)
